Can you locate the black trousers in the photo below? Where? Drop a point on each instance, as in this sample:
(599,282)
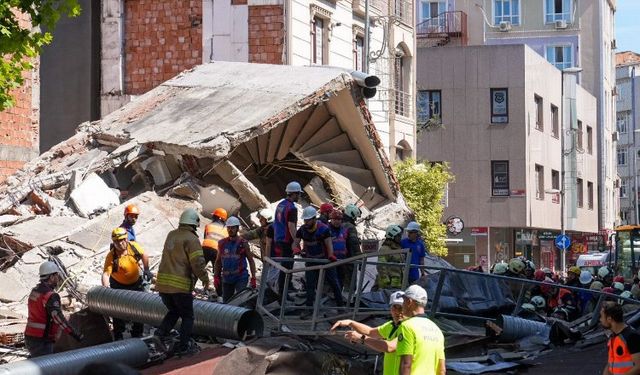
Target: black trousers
(38,346)
(180,305)
(119,326)
(284,249)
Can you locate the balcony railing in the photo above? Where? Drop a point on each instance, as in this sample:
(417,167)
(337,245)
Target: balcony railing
(444,27)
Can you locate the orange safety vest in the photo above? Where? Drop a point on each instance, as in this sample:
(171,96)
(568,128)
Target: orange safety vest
(620,359)
(213,233)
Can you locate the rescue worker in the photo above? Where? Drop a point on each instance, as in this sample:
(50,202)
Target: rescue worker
(418,249)
(390,276)
(131,213)
(605,276)
(45,317)
(515,268)
(529,269)
(540,305)
(562,304)
(572,276)
(122,271)
(182,259)
(214,232)
(284,229)
(263,233)
(339,242)
(325,212)
(230,270)
(623,346)
(383,338)
(351,214)
(500,268)
(583,297)
(316,240)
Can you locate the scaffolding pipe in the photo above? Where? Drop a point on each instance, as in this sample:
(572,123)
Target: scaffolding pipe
(211,319)
(131,352)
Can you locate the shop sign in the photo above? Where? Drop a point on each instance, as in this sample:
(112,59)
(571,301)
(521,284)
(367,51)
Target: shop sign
(518,192)
(500,178)
(479,231)
(546,235)
(499,106)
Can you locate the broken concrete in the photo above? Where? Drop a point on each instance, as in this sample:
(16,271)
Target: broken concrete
(93,196)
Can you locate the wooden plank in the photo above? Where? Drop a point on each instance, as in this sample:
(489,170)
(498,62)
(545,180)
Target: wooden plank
(313,124)
(328,131)
(337,144)
(263,145)
(362,176)
(252,148)
(291,132)
(350,158)
(275,139)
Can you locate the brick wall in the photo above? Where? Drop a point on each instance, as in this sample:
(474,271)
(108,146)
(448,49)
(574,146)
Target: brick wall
(19,125)
(266,34)
(162,38)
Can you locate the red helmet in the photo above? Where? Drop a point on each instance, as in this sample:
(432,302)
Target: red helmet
(131,209)
(618,279)
(609,290)
(336,214)
(326,208)
(539,275)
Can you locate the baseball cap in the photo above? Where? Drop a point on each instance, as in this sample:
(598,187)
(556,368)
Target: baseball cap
(416,293)
(396,298)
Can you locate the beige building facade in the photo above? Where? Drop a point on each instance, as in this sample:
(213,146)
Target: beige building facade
(495,114)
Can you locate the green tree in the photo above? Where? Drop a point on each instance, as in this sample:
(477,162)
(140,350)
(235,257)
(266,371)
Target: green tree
(423,186)
(20,41)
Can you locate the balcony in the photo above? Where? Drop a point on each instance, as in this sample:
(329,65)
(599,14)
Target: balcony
(446,28)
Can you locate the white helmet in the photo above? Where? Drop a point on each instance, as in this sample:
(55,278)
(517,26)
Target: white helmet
(309,213)
(500,268)
(47,268)
(232,221)
(352,211)
(538,302)
(516,265)
(267,214)
(528,306)
(585,277)
(619,286)
(392,231)
(413,227)
(603,272)
(293,187)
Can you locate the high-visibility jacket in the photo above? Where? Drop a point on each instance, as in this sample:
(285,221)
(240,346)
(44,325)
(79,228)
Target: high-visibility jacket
(389,276)
(182,259)
(213,233)
(39,323)
(620,359)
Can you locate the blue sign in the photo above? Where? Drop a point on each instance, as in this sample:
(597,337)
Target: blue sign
(563,242)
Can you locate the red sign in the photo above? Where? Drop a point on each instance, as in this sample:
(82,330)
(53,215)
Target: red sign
(479,231)
(518,192)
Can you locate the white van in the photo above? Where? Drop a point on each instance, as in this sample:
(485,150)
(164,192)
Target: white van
(593,261)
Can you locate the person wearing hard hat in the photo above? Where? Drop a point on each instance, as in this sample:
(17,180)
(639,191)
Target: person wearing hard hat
(515,268)
(584,297)
(131,213)
(418,249)
(182,259)
(214,232)
(390,277)
(383,338)
(230,270)
(605,276)
(351,214)
(316,243)
(573,276)
(499,268)
(284,228)
(325,212)
(420,341)
(263,233)
(45,317)
(339,242)
(122,271)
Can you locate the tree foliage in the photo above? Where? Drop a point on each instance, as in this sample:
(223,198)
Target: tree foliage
(423,186)
(20,41)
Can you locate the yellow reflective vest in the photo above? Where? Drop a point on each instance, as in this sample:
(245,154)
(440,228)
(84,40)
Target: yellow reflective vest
(182,262)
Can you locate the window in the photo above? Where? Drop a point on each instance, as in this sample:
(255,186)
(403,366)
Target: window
(358,56)
(500,178)
(555,119)
(623,188)
(590,195)
(539,182)
(557,10)
(560,56)
(431,9)
(539,113)
(555,185)
(589,140)
(428,107)
(580,192)
(579,136)
(506,11)
(318,41)
(622,156)
(621,123)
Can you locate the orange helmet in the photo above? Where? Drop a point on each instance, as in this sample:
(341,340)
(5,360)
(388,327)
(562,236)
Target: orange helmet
(221,213)
(131,209)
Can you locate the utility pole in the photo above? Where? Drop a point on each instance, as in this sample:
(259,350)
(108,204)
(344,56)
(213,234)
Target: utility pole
(634,148)
(367,27)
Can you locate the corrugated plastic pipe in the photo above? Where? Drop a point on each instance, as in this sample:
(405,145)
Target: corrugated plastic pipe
(211,319)
(131,352)
(514,328)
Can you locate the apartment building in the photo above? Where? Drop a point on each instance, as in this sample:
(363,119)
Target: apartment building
(627,121)
(567,33)
(495,114)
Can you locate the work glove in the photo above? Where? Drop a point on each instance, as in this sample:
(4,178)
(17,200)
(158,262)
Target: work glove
(253,282)
(297,251)
(216,282)
(147,275)
(79,337)
(332,258)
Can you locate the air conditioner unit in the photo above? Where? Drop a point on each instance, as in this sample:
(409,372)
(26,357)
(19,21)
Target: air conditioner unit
(505,26)
(561,24)
(614,136)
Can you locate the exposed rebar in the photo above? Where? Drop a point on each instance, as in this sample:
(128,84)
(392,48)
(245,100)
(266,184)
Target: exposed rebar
(131,352)
(211,319)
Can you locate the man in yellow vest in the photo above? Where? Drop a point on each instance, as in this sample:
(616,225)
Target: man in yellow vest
(122,271)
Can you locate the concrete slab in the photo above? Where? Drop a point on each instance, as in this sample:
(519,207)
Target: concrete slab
(43,229)
(93,196)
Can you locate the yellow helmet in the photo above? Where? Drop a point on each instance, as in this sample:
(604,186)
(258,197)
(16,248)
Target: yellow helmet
(119,233)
